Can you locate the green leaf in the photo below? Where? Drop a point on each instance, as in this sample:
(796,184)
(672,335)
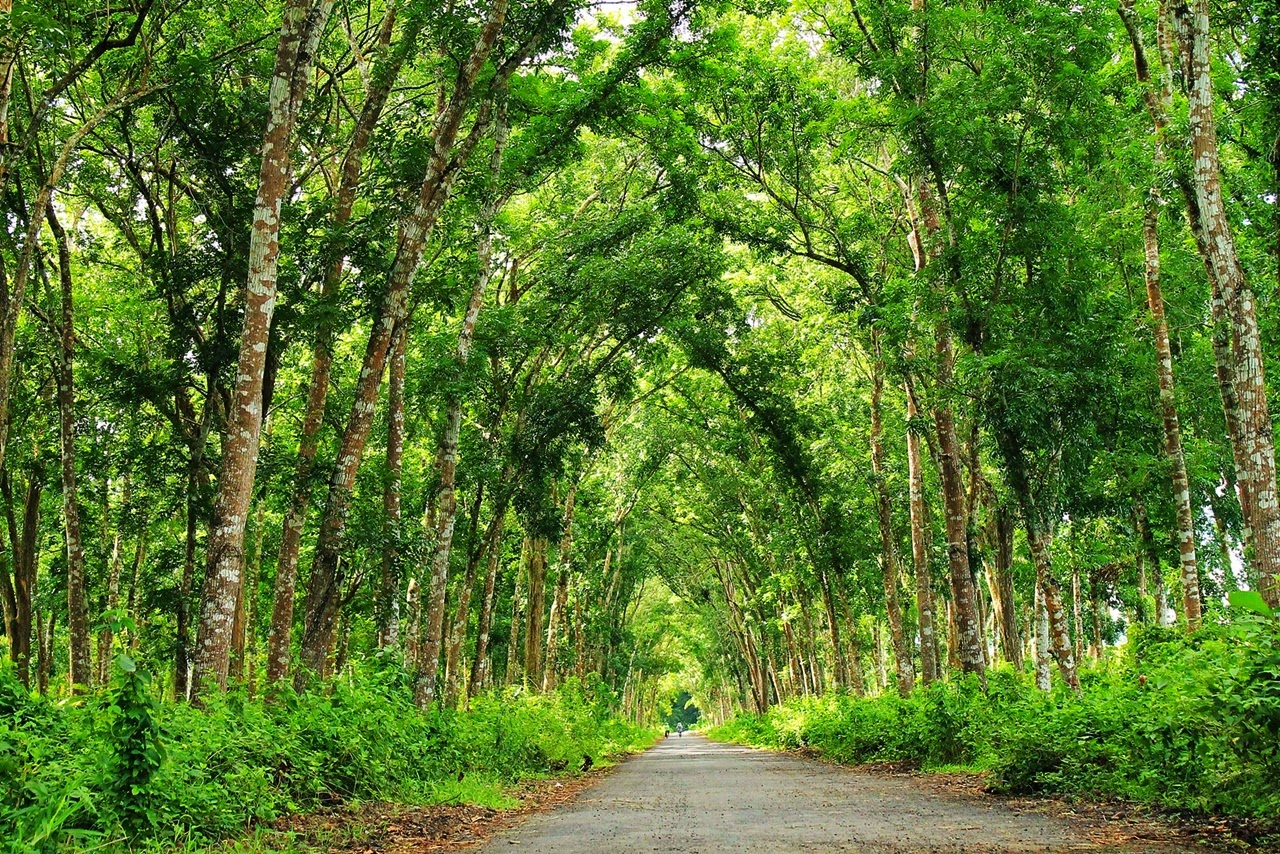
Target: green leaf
(1249,600)
(126,663)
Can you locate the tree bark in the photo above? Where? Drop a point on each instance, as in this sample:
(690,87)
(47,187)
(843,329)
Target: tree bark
(1000,580)
(24,543)
(302,25)
(919,548)
(376,94)
(323,589)
(555,627)
(388,596)
(889,561)
(448,456)
(536,609)
(1223,262)
(484,621)
(80,671)
(963,595)
(1043,657)
(1051,597)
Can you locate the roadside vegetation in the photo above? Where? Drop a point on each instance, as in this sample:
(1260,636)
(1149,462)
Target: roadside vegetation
(121,767)
(1188,724)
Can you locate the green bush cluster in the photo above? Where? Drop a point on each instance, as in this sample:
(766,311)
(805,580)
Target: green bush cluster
(1187,723)
(121,766)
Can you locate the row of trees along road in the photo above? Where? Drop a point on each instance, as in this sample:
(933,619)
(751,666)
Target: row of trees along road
(783,348)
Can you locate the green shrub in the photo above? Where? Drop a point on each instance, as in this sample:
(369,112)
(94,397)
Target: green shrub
(126,766)
(1187,723)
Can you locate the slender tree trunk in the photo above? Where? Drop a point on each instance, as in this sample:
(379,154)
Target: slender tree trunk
(555,622)
(300,31)
(484,621)
(456,633)
(963,595)
(376,93)
(1051,595)
(1000,580)
(24,542)
(1077,621)
(1043,657)
(1156,569)
(518,610)
(80,672)
(44,651)
(533,658)
(919,548)
(1172,429)
(889,560)
(388,598)
(447,503)
(445,164)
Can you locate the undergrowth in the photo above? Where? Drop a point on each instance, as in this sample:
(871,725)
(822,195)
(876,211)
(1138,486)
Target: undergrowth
(122,770)
(1189,724)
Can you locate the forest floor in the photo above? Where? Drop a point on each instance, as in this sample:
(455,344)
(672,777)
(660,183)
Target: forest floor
(690,794)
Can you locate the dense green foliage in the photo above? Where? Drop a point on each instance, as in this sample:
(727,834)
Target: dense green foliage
(1189,724)
(170,774)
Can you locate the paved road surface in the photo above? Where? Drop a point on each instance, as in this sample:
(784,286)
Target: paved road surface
(690,794)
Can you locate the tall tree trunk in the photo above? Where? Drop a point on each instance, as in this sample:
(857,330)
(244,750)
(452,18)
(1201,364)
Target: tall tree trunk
(1155,567)
(1043,658)
(376,93)
(484,621)
(533,658)
(325,584)
(556,621)
(388,595)
(1222,260)
(1051,596)
(1169,414)
(24,542)
(80,671)
(919,548)
(1000,580)
(456,632)
(518,610)
(301,27)
(447,503)
(963,595)
(182,634)
(889,560)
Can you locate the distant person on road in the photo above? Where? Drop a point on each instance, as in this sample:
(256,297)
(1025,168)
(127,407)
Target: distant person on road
(680,729)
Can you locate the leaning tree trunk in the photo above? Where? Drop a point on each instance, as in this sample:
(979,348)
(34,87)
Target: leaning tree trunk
(300,30)
(325,585)
(1169,414)
(1222,259)
(376,93)
(80,672)
(447,503)
(889,560)
(1157,98)
(24,542)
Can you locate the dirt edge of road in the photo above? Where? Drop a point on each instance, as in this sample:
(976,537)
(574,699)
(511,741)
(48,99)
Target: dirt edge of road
(388,828)
(391,828)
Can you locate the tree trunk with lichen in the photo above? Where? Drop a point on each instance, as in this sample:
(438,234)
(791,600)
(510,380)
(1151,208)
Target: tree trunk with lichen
(302,26)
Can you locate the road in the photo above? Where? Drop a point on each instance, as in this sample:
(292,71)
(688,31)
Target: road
(690,794)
